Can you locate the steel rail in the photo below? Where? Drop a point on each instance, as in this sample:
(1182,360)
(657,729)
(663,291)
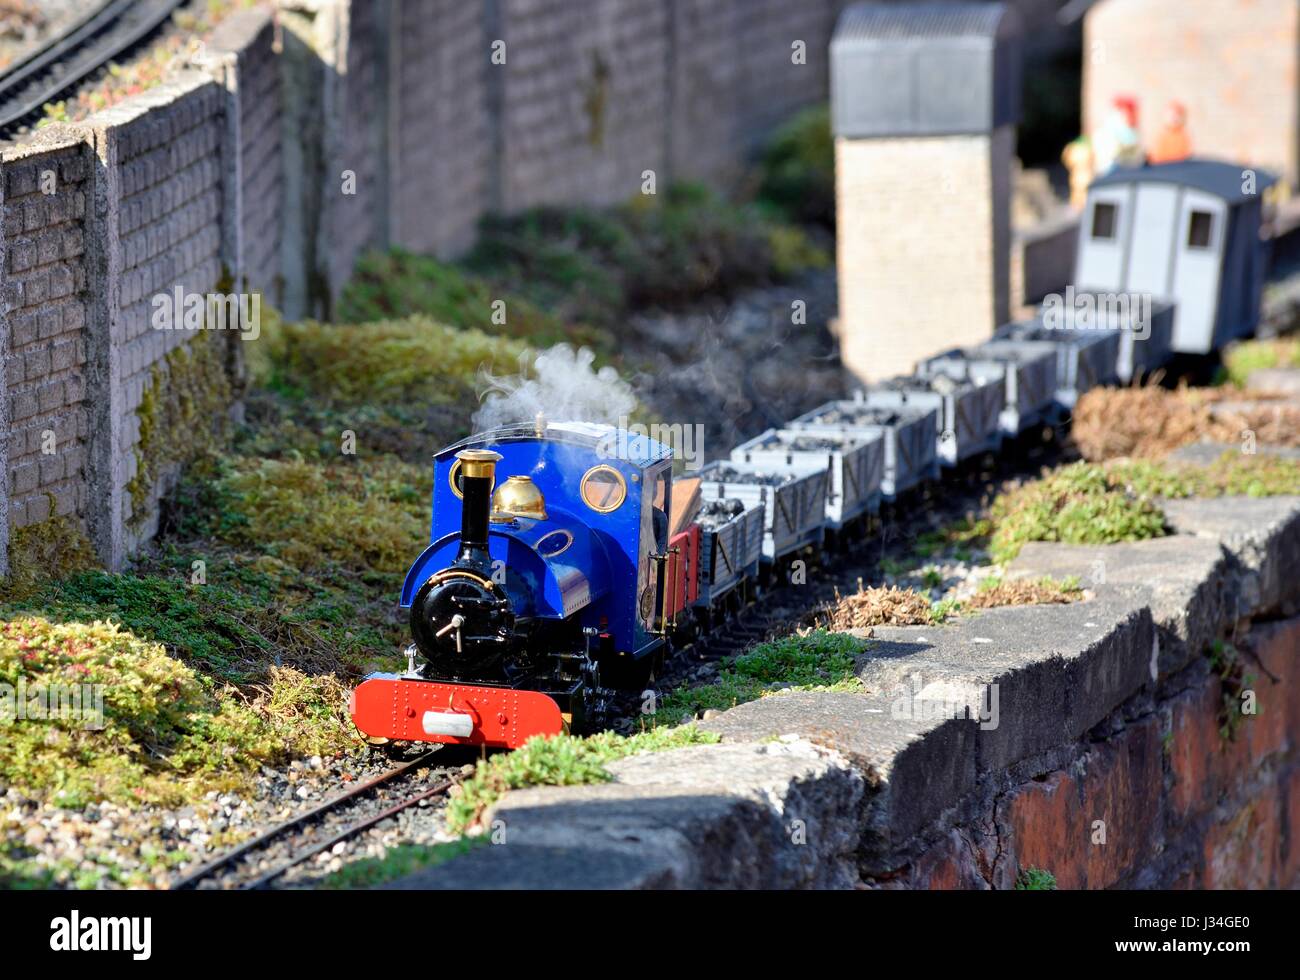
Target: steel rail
(349,832)
(221,861)
(68,59)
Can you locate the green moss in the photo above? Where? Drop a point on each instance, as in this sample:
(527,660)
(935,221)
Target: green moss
(398,284)
(182,413)
(50,549)
(798,168)
(793,252)
(236,625)
(1230,667)
(168,734)
(589,267)
(817,661)
(1254,355)
(1035,880)
(416,359)
(1074,504)
(561,760)
(1086,503)
(964,534)
(370,518)
(398,862)
(1232,474)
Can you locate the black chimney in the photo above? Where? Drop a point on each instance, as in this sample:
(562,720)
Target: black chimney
(477,474)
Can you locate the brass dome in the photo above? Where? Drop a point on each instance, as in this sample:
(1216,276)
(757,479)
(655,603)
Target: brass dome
(519,497)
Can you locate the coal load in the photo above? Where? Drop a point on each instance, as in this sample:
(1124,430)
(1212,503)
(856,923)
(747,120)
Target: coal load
(940,384)
(804,444)
(716,513)
(725,474)
(860,415)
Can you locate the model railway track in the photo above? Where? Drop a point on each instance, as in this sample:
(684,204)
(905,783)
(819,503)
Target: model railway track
(307,834)
(65,61)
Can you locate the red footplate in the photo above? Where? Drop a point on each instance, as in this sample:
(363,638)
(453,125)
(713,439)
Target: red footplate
(388,706)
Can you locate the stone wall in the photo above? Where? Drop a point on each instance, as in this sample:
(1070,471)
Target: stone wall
(590,95)
(165,149)
(442,152)
(243,55)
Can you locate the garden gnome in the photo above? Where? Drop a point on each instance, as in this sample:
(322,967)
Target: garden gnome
(1077,157)
(1117,143)
(1173,143)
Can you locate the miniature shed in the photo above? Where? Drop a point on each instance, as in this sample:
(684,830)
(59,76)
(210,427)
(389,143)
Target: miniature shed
(1186,232)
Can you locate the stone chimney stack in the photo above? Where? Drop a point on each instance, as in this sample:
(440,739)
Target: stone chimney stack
(924,102)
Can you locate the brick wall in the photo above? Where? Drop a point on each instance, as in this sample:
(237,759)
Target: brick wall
(243,55)
(912,212)
(97,220)
(1234,63)
(1163,800)
(43,204)
(166,151)
(442,150)
(583,104)
(592,94)
(358,132)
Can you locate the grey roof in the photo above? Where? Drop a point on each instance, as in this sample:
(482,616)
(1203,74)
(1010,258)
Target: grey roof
(902,22)
(924,69)
(1212,176)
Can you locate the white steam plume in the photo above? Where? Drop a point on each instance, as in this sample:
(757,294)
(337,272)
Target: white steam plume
(561,385)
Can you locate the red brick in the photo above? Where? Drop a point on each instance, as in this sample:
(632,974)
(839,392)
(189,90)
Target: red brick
(1244,850)
(1048,830)
(1289,874)
(1120,784)
(951,864)
(1277,647)
(1125,791)
(1203,762)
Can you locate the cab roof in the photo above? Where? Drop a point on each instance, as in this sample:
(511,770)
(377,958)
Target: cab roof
(1215,177)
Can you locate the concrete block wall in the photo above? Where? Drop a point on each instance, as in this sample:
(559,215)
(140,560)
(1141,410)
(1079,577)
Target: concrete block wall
(165,150)
(1042,259)
(96,220)
(592,94)
(1234,63)
(243,56)
(44,195)
(583,99)
(771,85)
(357,138)
(442,150)
(912,212)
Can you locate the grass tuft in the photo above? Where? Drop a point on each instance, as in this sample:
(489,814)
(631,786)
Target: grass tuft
(397,862)
(816,661)
(1074,504)
(1240,360)
(1035,880)
(560,760)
